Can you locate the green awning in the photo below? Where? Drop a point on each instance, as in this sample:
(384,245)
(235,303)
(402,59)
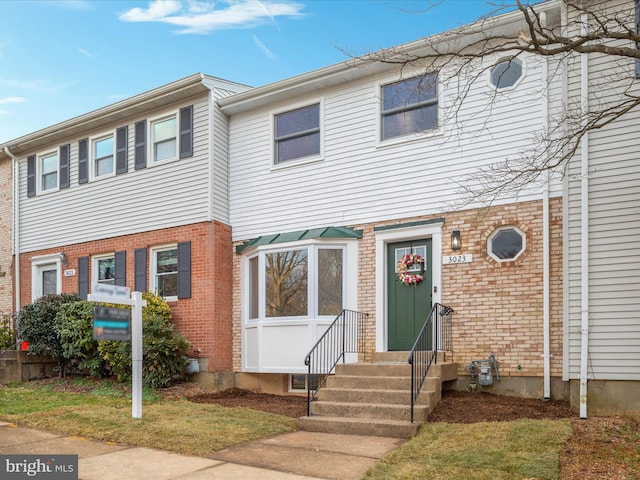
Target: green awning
(325,232)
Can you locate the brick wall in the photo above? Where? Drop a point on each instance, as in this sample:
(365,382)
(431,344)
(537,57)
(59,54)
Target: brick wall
(6,228)
(205,318)
(498,307)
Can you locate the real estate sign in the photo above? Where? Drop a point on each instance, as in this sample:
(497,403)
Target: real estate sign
(111,323)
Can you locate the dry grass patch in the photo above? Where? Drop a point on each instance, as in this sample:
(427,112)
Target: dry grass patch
(490,450)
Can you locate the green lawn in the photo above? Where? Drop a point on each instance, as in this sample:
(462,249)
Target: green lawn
(178,426)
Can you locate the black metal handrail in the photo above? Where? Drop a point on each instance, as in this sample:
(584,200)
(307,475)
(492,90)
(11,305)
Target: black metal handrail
(341,337)
(435,335)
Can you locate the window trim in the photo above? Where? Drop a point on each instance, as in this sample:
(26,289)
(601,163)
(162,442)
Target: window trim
(275,165)
(495,232)
(312,247)
(153,285)
(95,270)
(151,122)
(500,61)
(92,157)
(38,263)
(422,134)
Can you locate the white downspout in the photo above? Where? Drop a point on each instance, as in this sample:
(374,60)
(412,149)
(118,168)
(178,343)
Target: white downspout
(16,227)
(546,254)
(584,233)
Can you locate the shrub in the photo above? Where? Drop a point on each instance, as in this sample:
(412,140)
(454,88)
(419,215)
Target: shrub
(36,325)
(74,322)
(164,348)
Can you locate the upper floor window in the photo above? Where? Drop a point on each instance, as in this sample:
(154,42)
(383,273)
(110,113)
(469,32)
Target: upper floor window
(49,171)
(164,139)
(297,133)
(506,73)
(103,156)
(409,106)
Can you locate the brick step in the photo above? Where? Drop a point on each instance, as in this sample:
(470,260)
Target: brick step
(359,426)
(370,410)
(368,395)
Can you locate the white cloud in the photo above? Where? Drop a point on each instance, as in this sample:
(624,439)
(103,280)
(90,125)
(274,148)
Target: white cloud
(4,112)
(268,53)
(203,17)
(11,100)
(86,52)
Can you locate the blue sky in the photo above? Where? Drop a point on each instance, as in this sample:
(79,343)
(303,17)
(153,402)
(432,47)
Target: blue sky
(63,58)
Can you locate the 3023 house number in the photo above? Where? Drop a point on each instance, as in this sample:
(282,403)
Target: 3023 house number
(451,259)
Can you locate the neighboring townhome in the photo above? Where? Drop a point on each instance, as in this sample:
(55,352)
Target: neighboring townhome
(6,237)
(134,194)
(602,221)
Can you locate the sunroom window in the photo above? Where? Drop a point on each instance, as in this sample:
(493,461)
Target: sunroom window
(301,282)
(409,106)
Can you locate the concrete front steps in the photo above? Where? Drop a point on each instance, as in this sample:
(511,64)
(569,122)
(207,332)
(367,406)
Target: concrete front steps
(375,398)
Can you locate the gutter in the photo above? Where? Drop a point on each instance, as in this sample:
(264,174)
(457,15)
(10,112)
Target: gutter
(584,233)
(16,228)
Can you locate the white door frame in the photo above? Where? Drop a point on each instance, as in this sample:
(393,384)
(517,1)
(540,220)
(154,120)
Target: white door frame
(38,264)
(384,237)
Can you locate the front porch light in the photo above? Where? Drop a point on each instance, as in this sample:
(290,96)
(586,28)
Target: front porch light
(456,242)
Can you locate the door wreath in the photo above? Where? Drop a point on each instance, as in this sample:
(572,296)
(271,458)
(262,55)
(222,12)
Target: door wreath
(405,263)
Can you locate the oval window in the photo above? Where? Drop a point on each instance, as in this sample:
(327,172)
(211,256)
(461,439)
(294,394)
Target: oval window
(506,243)
(506,73)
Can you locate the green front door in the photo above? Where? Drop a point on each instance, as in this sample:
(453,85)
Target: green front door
(408,305)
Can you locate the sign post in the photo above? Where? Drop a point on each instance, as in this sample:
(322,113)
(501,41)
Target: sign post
(120,295)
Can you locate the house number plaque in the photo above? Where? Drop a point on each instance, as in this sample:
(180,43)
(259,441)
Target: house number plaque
(451,259)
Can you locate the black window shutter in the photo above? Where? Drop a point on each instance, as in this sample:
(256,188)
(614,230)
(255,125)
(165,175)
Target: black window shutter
(31,176)
(120,277)
(184,270)
(186,132)
(140,270)
(83,277)
(122,135)
(83,160)
(64,166)
(141,144)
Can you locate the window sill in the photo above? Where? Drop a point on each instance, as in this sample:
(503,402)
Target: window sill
(296,163)
(412,138)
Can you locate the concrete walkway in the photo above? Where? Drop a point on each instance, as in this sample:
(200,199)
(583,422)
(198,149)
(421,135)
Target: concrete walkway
(291,456)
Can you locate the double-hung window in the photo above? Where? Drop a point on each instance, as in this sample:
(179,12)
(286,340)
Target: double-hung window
(102,150)
(297,134)
(49,171)
(409,106)
(164,139)
(297,282)
(164,271)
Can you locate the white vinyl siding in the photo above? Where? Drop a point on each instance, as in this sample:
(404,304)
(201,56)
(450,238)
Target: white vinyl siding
(169,194)
(361,180)
(614,229)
